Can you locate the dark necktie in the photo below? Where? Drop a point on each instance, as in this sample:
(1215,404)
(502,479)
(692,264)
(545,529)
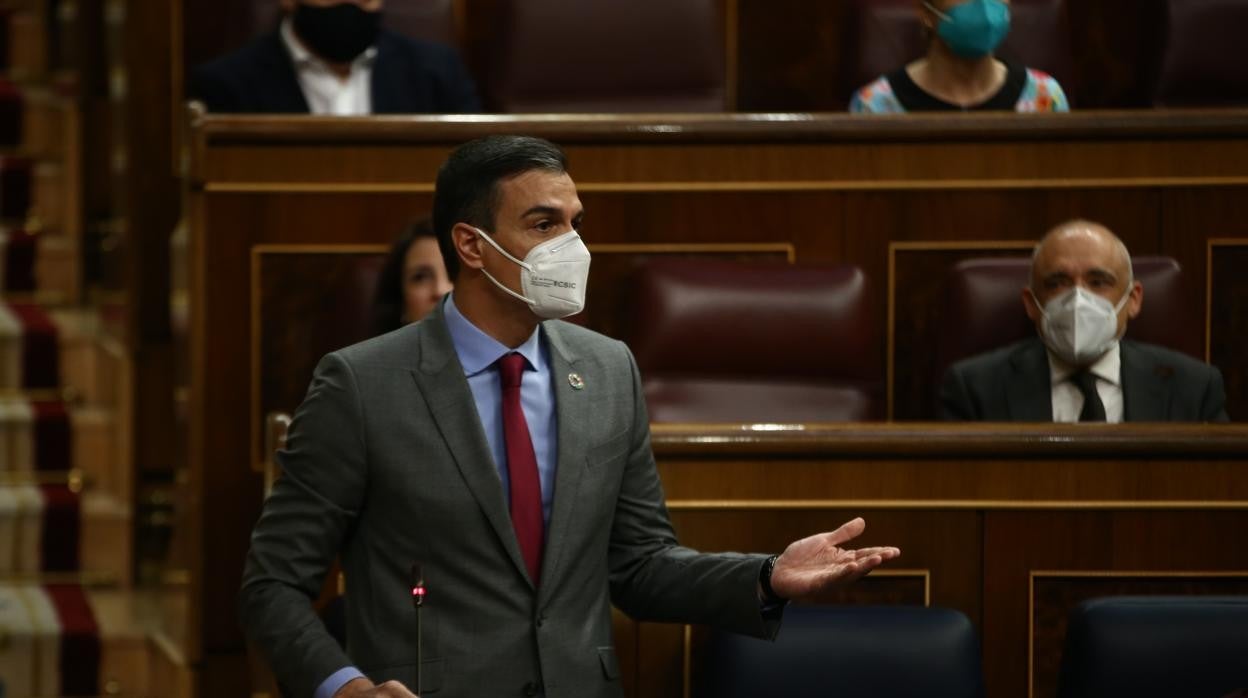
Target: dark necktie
(1093,409)
(526,486)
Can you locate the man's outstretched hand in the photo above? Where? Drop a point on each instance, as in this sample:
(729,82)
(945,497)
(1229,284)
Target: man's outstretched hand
(818,564)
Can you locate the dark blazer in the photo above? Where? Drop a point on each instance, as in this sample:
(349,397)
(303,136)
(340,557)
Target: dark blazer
(409,77)
(1013,385)
(387,465)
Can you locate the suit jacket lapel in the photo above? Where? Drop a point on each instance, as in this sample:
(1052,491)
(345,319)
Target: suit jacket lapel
(1029,392)
(1144,394)
(442,383)
(573,424)
(387,90)
(286,93)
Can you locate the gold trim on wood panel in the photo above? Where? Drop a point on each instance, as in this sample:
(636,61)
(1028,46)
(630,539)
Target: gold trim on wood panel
(1032,575)
(972,245)
(890,371)
(961,504)
(83,578)
(66,394)
(315,187)
(832,185)
(1209,245)
(787,248)
(73,478)
(318,248)
(257,251)
(687,644)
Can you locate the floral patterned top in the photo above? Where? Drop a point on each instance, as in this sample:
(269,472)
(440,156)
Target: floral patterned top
(1025,90)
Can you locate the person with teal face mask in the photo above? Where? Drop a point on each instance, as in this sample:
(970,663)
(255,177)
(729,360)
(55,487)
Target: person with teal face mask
(960,71)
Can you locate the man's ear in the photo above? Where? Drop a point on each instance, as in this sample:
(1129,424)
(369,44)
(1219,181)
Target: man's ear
(1137,300)
(467,243)
(1030,305)
(927,18)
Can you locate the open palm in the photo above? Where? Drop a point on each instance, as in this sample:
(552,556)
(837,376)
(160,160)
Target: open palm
(818,564)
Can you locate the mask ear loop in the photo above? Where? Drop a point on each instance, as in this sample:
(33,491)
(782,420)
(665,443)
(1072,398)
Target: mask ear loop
(1121,303)
(523,265)
(936,10)
(1039,305)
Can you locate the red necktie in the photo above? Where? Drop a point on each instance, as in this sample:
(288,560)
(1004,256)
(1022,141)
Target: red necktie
(526,486)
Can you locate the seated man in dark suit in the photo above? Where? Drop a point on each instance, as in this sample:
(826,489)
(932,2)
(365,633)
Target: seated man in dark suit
(332,57)
(1080,369)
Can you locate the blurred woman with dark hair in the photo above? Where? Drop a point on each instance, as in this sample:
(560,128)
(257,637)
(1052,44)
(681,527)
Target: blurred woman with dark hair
(412,280)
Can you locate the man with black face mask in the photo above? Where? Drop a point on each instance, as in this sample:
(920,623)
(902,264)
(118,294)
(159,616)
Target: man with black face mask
(1079,368)
(332,57)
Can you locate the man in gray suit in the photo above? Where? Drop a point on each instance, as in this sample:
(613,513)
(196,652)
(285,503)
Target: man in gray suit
(508,453)
(1081,295)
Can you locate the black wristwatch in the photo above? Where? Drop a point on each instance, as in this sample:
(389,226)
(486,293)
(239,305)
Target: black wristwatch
(764,580)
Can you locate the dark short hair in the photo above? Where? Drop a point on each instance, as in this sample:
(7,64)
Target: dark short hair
(388,302)
(467,188)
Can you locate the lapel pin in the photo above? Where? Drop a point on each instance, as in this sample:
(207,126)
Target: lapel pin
(575,380)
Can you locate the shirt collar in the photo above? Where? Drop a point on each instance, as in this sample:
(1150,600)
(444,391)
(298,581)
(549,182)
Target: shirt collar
(303,58)
(477,350)
(1108,368)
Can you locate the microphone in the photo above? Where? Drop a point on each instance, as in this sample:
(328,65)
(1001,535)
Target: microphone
(418,600)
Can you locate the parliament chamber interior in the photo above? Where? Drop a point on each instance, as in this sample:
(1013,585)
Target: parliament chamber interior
(798,280)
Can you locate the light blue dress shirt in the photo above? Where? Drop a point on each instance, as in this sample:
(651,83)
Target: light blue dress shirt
(478,352)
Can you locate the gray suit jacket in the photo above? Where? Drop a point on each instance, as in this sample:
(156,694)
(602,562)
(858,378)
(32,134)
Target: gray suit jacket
(1013,385)
(387,464)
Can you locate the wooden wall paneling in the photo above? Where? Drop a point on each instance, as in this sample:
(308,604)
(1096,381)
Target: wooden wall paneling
(1118,47)
(306,301)
(211,28)
(1226,321)
(989,213)
(747,152)
(790,55)
(1190,218)
(1022,543)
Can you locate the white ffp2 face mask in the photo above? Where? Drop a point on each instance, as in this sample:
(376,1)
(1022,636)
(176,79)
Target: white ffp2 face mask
(1080,326)
(554,275)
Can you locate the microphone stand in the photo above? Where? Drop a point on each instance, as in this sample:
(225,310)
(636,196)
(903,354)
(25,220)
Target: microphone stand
(418,600)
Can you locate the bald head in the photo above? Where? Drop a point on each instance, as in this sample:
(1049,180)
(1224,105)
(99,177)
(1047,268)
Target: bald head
(1082,254)
(1085,241)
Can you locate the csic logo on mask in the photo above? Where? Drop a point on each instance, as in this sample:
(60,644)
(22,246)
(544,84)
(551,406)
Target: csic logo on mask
(559,264)
(550,283)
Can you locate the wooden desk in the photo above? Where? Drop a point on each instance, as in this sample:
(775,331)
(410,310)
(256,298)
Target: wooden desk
(1012,525)
(900,197)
